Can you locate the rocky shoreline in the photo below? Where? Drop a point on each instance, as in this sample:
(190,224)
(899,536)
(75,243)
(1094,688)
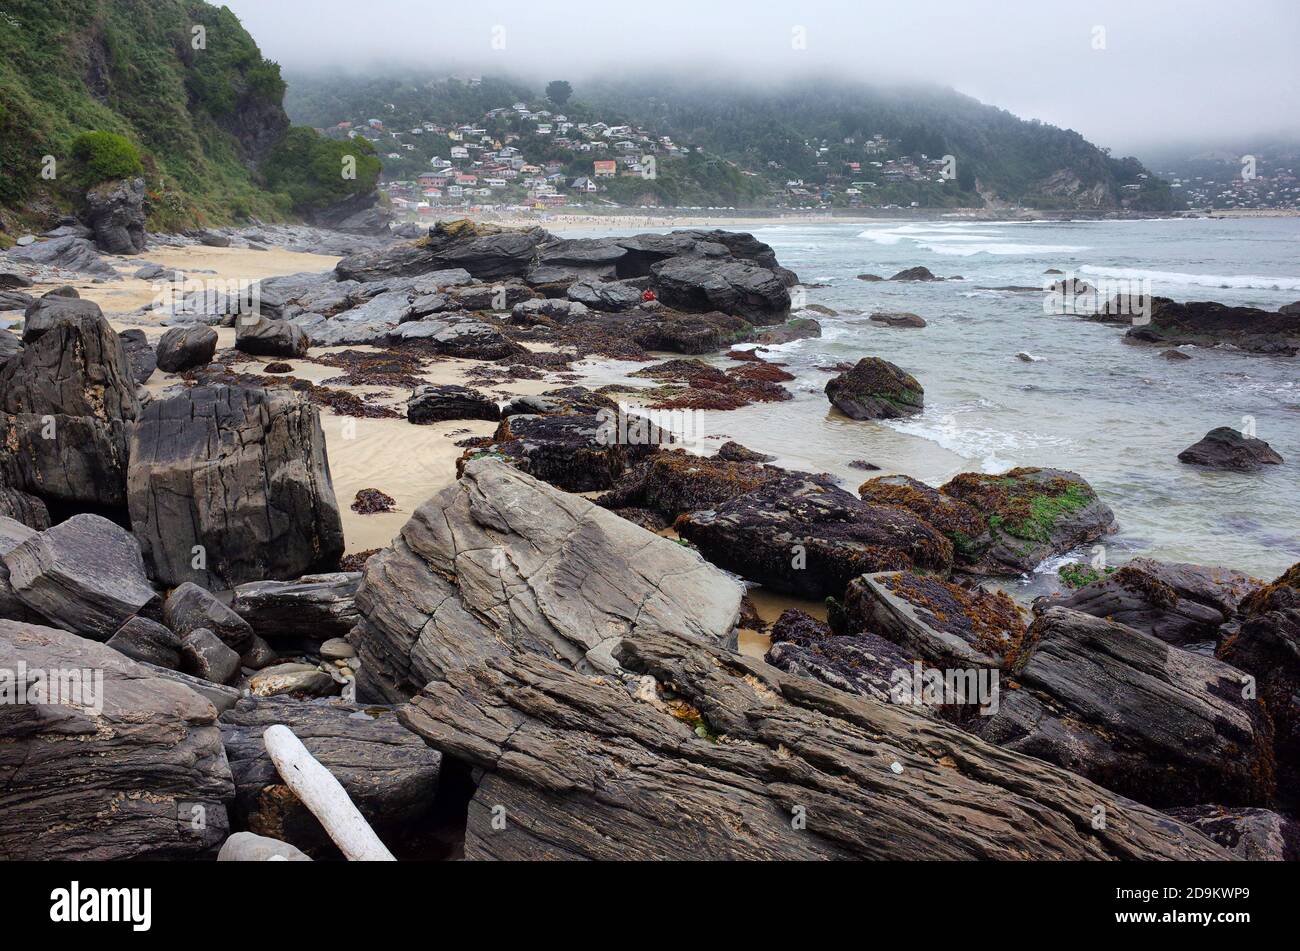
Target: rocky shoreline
(544,663)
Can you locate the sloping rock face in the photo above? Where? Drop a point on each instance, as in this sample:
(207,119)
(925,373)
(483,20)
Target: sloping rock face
(1257,835)
(67,403)
(1209,323)
(143,777)
(232,484)
(115,212)
(486,251)
(801,536)
(44,312)
(389,774)
(1130,712)
(85,574)
(501,562)
(875,389)
(21,506)
(1029,515)
(140,355)
(697,752)
(12,608)
(1225,448)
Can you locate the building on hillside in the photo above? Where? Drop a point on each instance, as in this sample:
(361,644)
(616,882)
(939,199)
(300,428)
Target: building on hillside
(605,168)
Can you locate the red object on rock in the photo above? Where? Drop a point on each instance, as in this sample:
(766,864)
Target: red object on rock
(649,295)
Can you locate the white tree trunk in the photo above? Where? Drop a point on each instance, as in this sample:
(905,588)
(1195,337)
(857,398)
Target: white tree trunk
(325,796)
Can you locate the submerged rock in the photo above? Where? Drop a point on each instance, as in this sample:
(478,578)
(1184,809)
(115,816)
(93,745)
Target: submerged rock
(875,389)
(1225,448)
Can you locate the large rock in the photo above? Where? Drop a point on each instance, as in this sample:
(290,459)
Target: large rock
(674,482)
(1210,324)
(263,337)
(575,452)
(1150,721)
(203,655)
(44,312)
(875,389)
(1028,516)
(705,754)
(144,776)
(800,535)
(21,506)
(605,295)
(734,287)
(388,772)
(486,251)
(313,608)
(115,211)
(436,404)
(457,336)
(67,403)
(148,642)
(1226,448)
(85,574)
(183,348)
(500,562)
(232,484)
(189,608)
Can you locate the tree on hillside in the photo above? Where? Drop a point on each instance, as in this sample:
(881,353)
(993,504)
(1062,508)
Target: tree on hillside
(558,91)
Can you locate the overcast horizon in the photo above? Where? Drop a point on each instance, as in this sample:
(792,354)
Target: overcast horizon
(1130,76)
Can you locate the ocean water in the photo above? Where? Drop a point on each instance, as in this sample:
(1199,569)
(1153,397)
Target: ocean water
(1115,413)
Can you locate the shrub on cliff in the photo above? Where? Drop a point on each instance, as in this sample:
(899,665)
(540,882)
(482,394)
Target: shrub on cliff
(316,172)
(104,157)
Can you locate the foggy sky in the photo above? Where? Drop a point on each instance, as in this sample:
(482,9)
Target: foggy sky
(1172,71)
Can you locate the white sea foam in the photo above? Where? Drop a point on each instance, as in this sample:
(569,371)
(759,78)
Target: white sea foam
(1241,281)
(995,450)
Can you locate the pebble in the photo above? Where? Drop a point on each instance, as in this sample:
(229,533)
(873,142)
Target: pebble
(336,648)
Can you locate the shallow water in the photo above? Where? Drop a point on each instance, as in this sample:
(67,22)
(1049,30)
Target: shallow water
(1117,414)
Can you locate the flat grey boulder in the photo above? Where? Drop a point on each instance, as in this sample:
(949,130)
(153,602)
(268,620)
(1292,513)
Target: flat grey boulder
(605,295)
(141,774)
(435,404)
(501,562)
(70,252)
(731,286)
(203,655)
(263,337)
(183,348)
(85,574)
(313,608)
(460,336)
(149,642)
(229,485)
(249,847)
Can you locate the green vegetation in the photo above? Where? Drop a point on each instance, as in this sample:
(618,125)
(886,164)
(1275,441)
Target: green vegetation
(175,90)
(558,91)
(104,156)
(315,172)
(1078,575)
